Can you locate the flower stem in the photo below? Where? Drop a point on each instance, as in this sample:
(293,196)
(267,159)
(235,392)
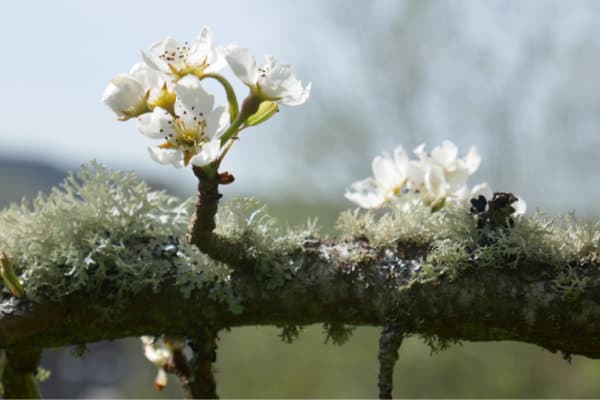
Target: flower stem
(231,97)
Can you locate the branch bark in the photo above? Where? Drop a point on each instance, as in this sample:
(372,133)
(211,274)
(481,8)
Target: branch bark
(481,304)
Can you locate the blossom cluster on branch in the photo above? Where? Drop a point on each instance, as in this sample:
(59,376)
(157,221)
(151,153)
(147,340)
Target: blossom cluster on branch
(165,93)
(437,178)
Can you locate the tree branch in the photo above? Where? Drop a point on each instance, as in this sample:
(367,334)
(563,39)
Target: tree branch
(479,304)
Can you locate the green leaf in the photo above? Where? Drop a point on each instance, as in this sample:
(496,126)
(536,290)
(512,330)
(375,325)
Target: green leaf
(265,111)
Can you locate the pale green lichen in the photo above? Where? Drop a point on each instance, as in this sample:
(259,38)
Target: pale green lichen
(563,244)
(107,231)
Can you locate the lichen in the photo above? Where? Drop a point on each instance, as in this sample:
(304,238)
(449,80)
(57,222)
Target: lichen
(456,244)
(105,231)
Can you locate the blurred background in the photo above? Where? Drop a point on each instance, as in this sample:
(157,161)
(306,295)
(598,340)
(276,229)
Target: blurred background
(516,79)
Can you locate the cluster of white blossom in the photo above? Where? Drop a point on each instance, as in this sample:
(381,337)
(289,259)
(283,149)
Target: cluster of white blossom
(159,351)
(165,94)
(435,178)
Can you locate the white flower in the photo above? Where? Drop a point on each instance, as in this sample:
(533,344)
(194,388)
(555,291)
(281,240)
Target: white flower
(366,194)
(271,81)
(444,175)
(130,95)
(390,175)
(192,133)
(158,354)
(126,96)
(179,60)
(520,206)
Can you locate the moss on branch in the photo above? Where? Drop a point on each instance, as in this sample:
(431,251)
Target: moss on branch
(106,252)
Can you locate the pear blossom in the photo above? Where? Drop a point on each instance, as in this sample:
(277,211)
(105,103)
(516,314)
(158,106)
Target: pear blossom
(178,60)
(130,95)
(158,354)
(191,132)
(390,175)
(444,175)
(435,178)
(271,81)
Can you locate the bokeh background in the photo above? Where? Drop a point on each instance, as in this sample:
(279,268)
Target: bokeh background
(517,79)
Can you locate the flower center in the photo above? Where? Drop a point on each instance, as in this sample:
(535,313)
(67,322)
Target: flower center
(177,57)
(178,62)
(187,136)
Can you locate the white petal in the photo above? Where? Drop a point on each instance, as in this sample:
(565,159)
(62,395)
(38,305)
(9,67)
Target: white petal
(415,171)
(242,64)
(149,77)
(161,379)
(365,194)
(216,60)
(520,206)
(482,189)
(124,93)
(192,99)
(209,153)
(297,97)
(435,183)
(420,151)
(384,171)
(216,121)
(401,161)
(155,353)
(472,160)
(152,58)
(445,155)
(156,124)
(456,179)
(166,156)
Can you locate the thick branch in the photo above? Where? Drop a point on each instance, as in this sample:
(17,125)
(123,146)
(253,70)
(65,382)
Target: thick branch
(326,285)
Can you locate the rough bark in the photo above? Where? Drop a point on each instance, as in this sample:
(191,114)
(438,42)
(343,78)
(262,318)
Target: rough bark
(481,304)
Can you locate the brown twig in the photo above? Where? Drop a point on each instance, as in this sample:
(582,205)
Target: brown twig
(19,380)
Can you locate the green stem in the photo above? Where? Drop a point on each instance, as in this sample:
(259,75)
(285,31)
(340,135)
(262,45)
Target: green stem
(231,97)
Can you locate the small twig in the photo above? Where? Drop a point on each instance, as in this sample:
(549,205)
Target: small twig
(18,379)
(202,382)
(202,224)
(389,343)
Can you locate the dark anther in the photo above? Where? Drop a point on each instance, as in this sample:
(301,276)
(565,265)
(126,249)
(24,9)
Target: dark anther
(498,213)
(225,178)
(478,205)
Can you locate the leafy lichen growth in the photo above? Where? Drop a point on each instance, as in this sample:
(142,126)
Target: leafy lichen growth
(456,244)
(105,231)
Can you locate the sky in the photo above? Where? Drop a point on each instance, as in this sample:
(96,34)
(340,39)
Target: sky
(474,56)
(60,55)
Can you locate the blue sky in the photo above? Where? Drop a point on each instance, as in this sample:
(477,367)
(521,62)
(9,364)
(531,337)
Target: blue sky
(534,61)
(59,56)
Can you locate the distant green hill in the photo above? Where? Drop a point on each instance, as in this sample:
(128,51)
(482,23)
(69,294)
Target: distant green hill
(20,178)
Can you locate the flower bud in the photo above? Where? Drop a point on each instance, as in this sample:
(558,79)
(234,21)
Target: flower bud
(126,96)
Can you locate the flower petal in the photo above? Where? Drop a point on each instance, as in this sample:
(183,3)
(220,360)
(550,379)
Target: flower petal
(166,156)
(445,155)
(192,99)
(242,64)
(520,206)
(216,122)
(365,194)
(209,153)
(156,124)
(161,379)
(472,160)
(124,94)
(153,57)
